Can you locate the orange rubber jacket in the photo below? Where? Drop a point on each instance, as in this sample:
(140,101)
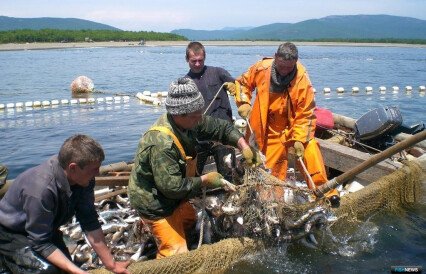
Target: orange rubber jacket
(301,120)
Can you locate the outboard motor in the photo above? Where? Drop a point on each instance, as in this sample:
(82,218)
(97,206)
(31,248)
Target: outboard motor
(376,126)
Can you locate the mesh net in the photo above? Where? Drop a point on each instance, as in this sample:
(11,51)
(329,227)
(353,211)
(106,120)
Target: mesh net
(206,259)
(390,192)
(264,208)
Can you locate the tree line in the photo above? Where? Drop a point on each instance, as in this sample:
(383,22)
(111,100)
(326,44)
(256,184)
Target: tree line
(55,35)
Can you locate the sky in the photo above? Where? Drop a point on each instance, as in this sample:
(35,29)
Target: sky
(167,15)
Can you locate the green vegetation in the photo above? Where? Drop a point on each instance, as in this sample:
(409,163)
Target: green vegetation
(353,28)
(55,35)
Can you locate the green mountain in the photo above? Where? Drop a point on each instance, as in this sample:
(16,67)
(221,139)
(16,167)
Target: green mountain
(330,27)
(12,23)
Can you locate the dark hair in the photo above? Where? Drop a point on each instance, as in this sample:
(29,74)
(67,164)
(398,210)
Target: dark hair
(195,47)
(80,149)
(288,51)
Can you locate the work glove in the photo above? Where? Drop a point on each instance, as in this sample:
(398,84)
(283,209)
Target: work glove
(230,87)
(215,180)
(299,149)
(252,157)
(3,175)
(244,110)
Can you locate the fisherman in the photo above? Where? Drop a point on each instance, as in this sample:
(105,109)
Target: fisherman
(45,197)
(164,177)
(282,116)
(209,81)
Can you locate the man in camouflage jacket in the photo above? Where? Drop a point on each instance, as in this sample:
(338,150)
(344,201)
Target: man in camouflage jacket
(164,175)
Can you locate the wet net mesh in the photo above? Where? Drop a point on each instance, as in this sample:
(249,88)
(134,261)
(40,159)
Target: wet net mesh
(264,208)
(390,192)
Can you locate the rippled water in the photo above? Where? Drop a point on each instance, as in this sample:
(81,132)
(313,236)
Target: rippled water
(29,136)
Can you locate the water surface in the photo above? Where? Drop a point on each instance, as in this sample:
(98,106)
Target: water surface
(29,136)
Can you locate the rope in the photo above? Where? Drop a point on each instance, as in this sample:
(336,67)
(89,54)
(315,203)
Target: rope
(252,135)
(214,98)
(203,217)
(113,93)
(350,139)
(203,201)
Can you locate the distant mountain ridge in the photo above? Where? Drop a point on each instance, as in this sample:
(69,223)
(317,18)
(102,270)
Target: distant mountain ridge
(12,23)
(330,27)
(327,28)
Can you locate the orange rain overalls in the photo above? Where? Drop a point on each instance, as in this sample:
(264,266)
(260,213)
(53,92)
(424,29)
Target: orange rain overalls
(169,232)
(280,119)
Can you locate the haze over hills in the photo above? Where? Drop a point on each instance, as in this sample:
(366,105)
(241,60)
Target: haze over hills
(330,27)
(327,28)
(12,23)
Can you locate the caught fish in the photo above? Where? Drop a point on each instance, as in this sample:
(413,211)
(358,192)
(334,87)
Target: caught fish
(114,227)
(121,231)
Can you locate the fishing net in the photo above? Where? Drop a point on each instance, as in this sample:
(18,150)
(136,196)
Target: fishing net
(268,208)
(390,192)
(265,210)
(206,259)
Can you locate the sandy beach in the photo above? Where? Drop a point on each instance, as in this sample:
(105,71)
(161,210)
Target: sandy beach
(44,46)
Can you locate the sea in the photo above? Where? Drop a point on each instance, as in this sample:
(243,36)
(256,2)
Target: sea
(384,76)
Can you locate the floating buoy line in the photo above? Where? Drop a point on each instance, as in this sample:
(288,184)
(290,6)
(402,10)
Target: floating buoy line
(370,90)
(156,98)
(153,98)
(146,97)
(54,103)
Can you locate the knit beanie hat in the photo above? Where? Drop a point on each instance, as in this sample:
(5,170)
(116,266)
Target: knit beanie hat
(184,97)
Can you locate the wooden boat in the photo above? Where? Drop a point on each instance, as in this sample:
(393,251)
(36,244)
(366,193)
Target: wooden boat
(342,158)
(386,184)
(338,157)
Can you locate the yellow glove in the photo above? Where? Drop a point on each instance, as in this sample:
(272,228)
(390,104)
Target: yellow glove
(230,87)
(4,185)
(215,180)
(212,180)
(3,175)
(252,157)
(244,110)
(299,149)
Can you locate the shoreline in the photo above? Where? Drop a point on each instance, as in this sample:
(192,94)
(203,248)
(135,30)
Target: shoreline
(46,46)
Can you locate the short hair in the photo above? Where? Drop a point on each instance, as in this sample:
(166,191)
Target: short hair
(288,51)
(195,47)
(80,149)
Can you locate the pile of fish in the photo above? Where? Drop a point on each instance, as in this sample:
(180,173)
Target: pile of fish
(259,207)
(262,207)
(123,233)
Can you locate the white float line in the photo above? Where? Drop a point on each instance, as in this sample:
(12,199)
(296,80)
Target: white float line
(154,94)
(64,102)
(143,96)
(152,97)
(370,90)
